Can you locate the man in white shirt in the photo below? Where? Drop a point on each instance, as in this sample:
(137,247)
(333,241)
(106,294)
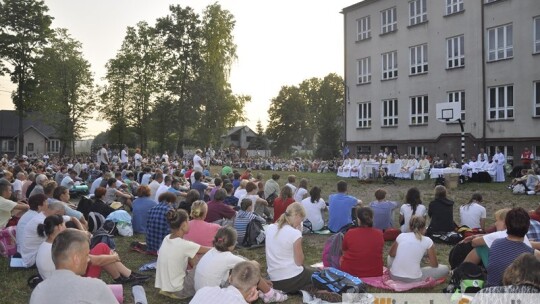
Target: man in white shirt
(124,156)
(154,185)
(103,158)
(69,180)
(6,205)
(482,156)
(17,185)
(198,164)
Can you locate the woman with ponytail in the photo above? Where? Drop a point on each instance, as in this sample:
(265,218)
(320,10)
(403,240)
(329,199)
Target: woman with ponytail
(405,256)
(172,277)
(413,206)
(200,231)
(472,214)
(284,255)
(51,227)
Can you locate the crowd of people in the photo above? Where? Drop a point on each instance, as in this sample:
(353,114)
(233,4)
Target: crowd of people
(192,222)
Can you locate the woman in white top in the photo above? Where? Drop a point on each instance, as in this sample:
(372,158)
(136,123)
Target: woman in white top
(301,192)
(284,255)
(405,256)
(314,206)
(413,206)
(472,214)
(51,227)
(214,267)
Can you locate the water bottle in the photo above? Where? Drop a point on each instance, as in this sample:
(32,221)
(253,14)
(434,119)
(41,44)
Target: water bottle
(139,296)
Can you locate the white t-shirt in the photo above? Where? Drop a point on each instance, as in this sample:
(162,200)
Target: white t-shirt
(293,187)
(103,156)
(213,268)
(5,210)
(17,185)
(410,252)
(165,158)
(67,182)
(95,185)
(229,295)
(162,189)
(406,211)
(32,240)
(280,253)
(154,186)
(25,218)
(196,163)
(471,214)
(313,212)
(44,262)
(491,237)
(240,193)
(299,194)
(124,156)
(172,263)
(138,159)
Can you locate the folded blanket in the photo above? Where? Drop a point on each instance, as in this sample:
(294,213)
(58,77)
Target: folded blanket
(385,282)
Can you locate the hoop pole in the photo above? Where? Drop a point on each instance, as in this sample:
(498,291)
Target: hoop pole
(462,140)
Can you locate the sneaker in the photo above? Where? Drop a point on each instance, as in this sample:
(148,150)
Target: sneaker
(274,296)
(124,280)
(139,277)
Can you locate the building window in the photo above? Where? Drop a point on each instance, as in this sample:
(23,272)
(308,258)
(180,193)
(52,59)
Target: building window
(501,102)
(417,151)
(500,45)
(8,145)
(490,1)
(419,110)
(30,147)
(455,52)
(536,24)
(419,59)
(457,96)
(537,99)
(454,6)
(508,151)
(364,70)
(389,65)
(363,150)
(364,115)
(536,150)
(417,12)
(364,28)
(388,20)
(389,112)
(53,146)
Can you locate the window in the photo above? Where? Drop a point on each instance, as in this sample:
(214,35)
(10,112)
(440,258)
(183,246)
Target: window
(364,70)
(537,98)
(501,102)
(417,151)
(417,12)
(500,44)
(364,115)
(360,150)
(508,151)
(536,24)
(364,28)
(455,52)
(388,20)
(490,1)
(389,65)
(453,6)
(53,146)
(419,110)
(536,150)
(30,147)
(8,145)
(419,59)
(389,112)
(458,96)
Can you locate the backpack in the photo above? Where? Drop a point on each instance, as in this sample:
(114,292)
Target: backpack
(84,206)
(458,254)
(518,189)
(332,250)
(450,238)
(254,234)
(307,227)
(95,221)
(8,244)
(467,278)
(335,280)
(105,235)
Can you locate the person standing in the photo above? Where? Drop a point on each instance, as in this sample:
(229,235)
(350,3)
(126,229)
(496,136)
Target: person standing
(103,158)
(500,160)
(198,164)
(137,159)
(526,158)
(124,156)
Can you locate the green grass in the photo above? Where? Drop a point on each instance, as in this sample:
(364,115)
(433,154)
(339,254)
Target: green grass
(496,196)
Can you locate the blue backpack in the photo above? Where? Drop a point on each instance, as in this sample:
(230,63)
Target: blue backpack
(335,280)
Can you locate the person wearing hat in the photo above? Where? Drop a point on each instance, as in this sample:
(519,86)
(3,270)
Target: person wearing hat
(198,164)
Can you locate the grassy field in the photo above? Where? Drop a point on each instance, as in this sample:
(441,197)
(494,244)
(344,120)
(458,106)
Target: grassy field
(496,196)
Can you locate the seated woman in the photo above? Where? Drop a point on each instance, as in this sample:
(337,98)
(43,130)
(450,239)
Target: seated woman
(260,205)
(383,210)
(115,195)
(191,196)
(284,254)
(140,208)
(314,206)
(172,278)
(243,217)
(301,192)
(472,214)
(200,232)
(99,204)
(214,267)
(412,206)
(363,247)
(405,256)
(281,203)
(441,213)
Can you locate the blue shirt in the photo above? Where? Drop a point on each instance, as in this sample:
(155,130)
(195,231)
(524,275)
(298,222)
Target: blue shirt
(340,209)
(156,226)
(501,254)
(382,214)
(199,187)
(236,183)
(231,200)
(141,206)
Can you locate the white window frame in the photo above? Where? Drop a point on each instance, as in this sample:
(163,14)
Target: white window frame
(501,107)
(508,151)
(536,37)
(363,70)
(417,12)
(457,96)
(455,52)
(453,6)
(417,151)
(389,65)
(363,28)
(536,98)
(388,20)
(418,59)
(364,115)
(6,143)
(500,42)
(53,146)
(389,113)
(419,110)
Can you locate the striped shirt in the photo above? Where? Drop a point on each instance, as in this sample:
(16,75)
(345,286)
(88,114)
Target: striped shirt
(242,220)
(501,254)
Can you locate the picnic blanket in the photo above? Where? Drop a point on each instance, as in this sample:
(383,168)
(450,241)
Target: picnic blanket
(385,282)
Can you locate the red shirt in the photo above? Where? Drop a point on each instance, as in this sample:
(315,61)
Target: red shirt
(280,206)
(218,210)
(526,157)
(362,252)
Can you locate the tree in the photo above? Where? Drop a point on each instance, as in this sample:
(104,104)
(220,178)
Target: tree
(260,142)
(24,30)
(329,116)
(64,89)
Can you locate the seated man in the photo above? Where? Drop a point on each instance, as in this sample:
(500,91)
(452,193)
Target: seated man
(70,256)
(422,169)
(340,208)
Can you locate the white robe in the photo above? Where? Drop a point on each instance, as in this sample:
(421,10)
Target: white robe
(499,160)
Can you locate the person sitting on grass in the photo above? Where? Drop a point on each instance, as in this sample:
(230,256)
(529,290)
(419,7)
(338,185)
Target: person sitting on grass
(382,210)
(141,205)
(314,206)
(172,277)
(200,231)
(156,224)
(441,213)
(340,208)
(283,201)
(243,217)
(412,206)
(115,195)
(260,206)
(214,267)
(218,212)
(472,214)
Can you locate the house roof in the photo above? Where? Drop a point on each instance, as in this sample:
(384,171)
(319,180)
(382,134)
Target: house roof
(238,128)
(9,124)
(357,5)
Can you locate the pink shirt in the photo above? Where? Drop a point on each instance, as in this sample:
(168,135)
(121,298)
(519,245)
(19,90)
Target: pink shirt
(201,232)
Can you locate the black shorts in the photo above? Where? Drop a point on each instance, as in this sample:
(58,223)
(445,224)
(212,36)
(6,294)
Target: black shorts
(296,283)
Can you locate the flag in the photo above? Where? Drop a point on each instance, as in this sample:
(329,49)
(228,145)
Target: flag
(345,151)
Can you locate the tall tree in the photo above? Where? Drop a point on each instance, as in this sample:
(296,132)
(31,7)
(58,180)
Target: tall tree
(260,142)
(64,88)
(329,116)
(24,30)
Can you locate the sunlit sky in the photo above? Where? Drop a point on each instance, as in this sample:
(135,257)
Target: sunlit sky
(279,42)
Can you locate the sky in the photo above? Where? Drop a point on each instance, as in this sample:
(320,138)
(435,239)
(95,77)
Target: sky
(279,42)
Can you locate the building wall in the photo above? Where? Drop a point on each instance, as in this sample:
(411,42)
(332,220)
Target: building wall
(439,137)
(31,136)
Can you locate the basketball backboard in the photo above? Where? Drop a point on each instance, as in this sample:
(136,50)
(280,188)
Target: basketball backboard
(448,111)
